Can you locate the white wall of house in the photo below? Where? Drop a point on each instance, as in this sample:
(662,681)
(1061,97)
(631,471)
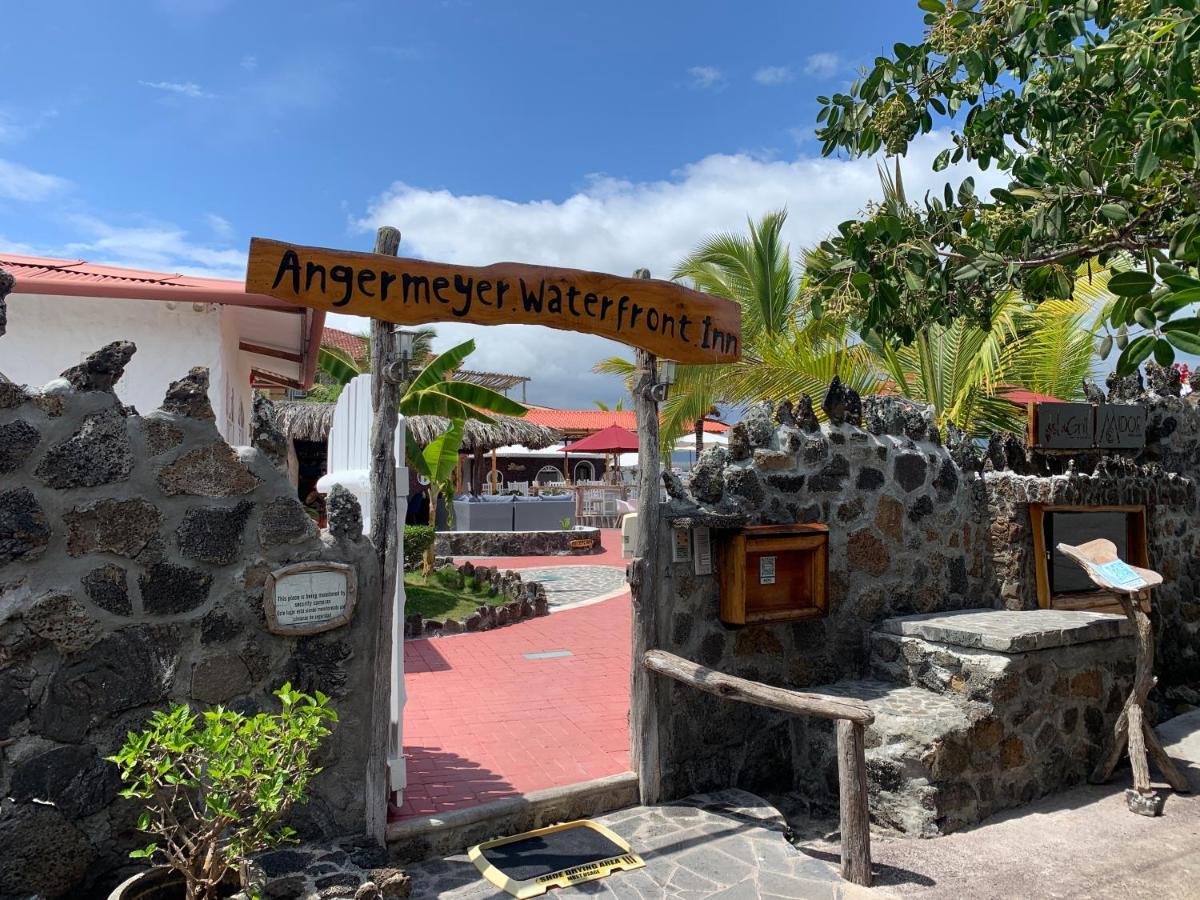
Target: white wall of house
(47,334)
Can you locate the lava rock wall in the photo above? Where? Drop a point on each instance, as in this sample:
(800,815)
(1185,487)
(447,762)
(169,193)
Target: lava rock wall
(133,557)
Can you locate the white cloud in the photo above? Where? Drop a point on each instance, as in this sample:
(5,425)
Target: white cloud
(18,182)
(772,75)
(182,88)
(706,77)
(249,63)
(617,226)
(220,226)
(822,64)
(156,246)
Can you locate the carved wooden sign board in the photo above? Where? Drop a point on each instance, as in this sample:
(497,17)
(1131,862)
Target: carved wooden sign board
(664,318)
(308,598)
(1082,426)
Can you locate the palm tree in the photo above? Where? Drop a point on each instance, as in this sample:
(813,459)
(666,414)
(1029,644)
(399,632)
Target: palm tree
(785,352)
(619,406)
(435,392)
(338,368)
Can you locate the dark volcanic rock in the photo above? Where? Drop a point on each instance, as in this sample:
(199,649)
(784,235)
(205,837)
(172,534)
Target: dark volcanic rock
(213,534)
(707,483)
(12,395)
(759,426)
(842,404)
(744,484)
(265,434)
(1006,451)
(739,442)
(189,396)
(99,453)
(832,477)
(74,778)
(128,668)
(101,370)
(17,441)
(44,854)
(1166,381)
(212,471)
(946,482)
(345,515)
(161,435)
(1125,390)
(910,470)
(123,527)
(216,679)
(806,416)
(869,479)
(24,531)
(319,664)
(284,521)
(108,588)
(168,588)
(63,621)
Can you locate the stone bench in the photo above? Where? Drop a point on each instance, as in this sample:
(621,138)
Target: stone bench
(978,711)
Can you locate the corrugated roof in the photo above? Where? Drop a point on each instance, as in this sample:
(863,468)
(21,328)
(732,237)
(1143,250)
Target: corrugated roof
(49,276)
(593,420)
(80,278)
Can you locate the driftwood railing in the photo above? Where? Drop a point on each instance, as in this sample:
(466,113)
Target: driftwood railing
(852,717)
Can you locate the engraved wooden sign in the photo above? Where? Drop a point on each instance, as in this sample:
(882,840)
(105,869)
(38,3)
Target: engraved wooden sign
(1120,425)
(1065,425)
(661,317)
(311,597)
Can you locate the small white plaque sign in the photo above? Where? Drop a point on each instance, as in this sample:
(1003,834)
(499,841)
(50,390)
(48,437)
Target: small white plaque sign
(308,598)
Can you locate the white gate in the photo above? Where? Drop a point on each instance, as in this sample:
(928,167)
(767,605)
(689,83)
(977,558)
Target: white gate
(348,463)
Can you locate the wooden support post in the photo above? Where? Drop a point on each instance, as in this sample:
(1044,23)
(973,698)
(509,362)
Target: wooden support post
(384,397)
(646,696)
(1132,732)
(852,792)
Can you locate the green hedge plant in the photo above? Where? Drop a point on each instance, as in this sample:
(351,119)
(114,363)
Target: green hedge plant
(417,539)
(216,784)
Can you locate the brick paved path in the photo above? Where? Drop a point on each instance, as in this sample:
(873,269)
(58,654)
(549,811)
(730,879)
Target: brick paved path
(484,720)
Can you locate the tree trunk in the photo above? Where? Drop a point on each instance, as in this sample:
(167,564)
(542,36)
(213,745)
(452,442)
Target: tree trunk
(699,436)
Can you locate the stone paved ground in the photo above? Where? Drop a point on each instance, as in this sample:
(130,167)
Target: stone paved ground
(570,585)
(1076,845)
(730,845)
(484,721)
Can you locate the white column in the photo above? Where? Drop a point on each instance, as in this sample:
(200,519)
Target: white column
(397,773)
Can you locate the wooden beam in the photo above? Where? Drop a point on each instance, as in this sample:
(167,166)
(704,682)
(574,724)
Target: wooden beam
(270,351)
(384,397)
(730,687)
(277,380)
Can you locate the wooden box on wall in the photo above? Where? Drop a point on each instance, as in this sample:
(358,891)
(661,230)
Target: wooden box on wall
(774,573)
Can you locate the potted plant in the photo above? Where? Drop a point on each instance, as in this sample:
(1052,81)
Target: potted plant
(215,786)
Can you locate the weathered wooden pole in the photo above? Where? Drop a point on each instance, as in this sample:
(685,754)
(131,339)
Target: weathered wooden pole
(1132,732)
(383,756)
(643,582)
(852,794)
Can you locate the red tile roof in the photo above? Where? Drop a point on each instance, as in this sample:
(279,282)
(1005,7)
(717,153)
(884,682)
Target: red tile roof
(593,420)
(79,278)
(353,344)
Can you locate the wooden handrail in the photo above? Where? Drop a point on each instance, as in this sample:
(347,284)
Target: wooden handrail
(730,687)
(852,717)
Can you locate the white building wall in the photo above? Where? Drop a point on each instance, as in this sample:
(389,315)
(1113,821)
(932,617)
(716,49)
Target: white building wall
(47,334)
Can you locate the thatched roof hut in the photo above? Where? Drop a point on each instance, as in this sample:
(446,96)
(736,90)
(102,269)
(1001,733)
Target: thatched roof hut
(304,421)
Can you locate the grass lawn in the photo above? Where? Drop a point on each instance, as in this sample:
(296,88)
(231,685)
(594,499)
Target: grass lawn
(434,600)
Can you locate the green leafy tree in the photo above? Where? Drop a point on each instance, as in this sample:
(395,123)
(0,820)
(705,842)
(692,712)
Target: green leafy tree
(337,368)
(437,461)
(1090,109)
(215,785)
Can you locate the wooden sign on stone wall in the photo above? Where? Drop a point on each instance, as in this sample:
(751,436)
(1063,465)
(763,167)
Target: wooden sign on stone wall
(1083,426)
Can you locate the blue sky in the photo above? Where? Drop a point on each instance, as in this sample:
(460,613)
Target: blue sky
(163,134)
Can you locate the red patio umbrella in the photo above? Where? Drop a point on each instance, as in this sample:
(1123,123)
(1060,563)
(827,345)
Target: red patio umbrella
(613,439)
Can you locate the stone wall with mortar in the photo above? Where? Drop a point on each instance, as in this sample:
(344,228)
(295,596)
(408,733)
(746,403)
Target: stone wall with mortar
(133,555)
(907,535)
(917,524)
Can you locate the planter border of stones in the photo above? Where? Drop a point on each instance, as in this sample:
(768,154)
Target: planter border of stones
(517,543)
(526,600)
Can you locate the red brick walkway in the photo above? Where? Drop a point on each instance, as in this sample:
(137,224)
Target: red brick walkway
(483,721)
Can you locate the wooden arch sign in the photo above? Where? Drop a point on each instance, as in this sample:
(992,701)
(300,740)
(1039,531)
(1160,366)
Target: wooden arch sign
(661,317)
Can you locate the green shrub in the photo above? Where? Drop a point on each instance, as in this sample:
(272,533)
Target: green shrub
(214,794)
(449,576)
(417,539)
